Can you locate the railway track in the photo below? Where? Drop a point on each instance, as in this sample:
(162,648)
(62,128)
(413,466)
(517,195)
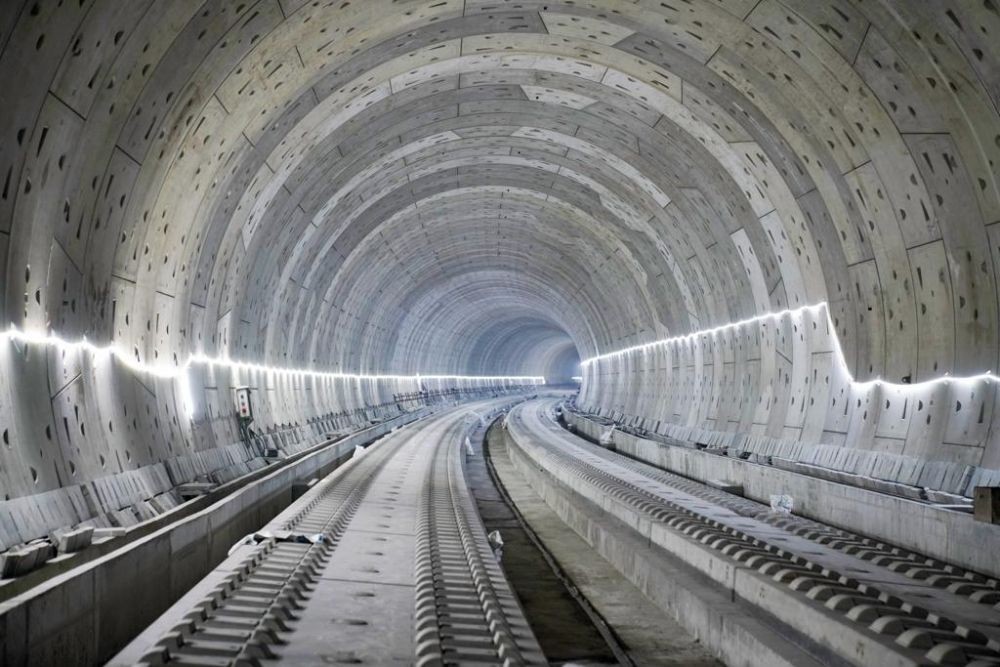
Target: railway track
(867,601)
(383,562)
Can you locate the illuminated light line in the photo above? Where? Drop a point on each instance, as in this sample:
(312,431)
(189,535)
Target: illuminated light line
(173,371)
(823,306)
(204,360)
(673,340)
(181,372)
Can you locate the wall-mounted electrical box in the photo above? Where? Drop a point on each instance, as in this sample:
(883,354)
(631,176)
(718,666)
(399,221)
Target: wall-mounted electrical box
(244,409)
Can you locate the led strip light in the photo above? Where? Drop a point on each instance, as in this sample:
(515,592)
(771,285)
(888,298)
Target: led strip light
(815,309)
(181,371)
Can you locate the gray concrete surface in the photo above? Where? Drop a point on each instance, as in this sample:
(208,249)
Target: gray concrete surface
(731,630)
(951,536)
(432,188)
(566,627)
(649,635)
(863,601)
(86,614)
(504,189)
(404,574)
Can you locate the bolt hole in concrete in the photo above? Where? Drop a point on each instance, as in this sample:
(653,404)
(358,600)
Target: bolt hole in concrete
(567,633)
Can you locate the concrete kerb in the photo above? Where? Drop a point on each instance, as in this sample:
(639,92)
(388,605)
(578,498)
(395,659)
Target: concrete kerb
(700,590)
(950,536)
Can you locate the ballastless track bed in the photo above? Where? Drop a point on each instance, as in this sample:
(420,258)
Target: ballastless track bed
(400,572)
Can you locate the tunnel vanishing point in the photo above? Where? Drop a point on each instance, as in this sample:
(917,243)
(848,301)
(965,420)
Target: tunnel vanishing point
(500,332)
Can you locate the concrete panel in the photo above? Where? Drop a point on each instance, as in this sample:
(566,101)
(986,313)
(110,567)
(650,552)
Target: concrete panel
(471,188)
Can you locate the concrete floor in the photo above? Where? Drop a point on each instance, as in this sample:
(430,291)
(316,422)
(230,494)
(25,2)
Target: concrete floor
(647,634)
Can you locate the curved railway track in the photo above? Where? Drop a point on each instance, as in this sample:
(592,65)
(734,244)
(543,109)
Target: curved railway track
(383,562)
(893,606)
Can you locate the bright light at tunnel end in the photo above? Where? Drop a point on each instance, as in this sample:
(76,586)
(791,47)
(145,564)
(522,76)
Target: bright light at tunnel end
(792,313)
(181,372)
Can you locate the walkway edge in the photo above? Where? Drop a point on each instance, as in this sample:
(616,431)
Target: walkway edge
(735,631)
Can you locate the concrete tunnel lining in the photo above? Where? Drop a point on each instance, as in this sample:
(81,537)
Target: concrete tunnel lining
(490,188)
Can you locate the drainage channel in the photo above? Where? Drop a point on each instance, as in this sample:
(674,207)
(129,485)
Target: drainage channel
(568,630)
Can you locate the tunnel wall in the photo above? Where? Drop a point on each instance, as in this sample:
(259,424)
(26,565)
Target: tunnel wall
(785,377)
(422,186)
(56,433)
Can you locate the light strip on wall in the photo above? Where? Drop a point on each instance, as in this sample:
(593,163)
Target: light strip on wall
(777,316)
(180,372)
(732,326)
(203,360)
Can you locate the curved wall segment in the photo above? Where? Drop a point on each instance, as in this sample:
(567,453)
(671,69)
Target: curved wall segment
(493,188)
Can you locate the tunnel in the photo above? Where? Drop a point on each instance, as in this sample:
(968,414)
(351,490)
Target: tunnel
(246,246)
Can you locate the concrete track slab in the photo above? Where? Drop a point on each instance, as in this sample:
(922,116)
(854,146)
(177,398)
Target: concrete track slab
(357,623)
(649,635)
(403,573)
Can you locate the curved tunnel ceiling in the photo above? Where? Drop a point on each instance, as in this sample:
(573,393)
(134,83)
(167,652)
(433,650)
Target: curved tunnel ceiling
(476,187)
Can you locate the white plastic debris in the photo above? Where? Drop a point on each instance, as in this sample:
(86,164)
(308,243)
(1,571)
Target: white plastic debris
(607,437)
(496,543)
(252,538)
(280,536)
(468,447)
(782,503)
